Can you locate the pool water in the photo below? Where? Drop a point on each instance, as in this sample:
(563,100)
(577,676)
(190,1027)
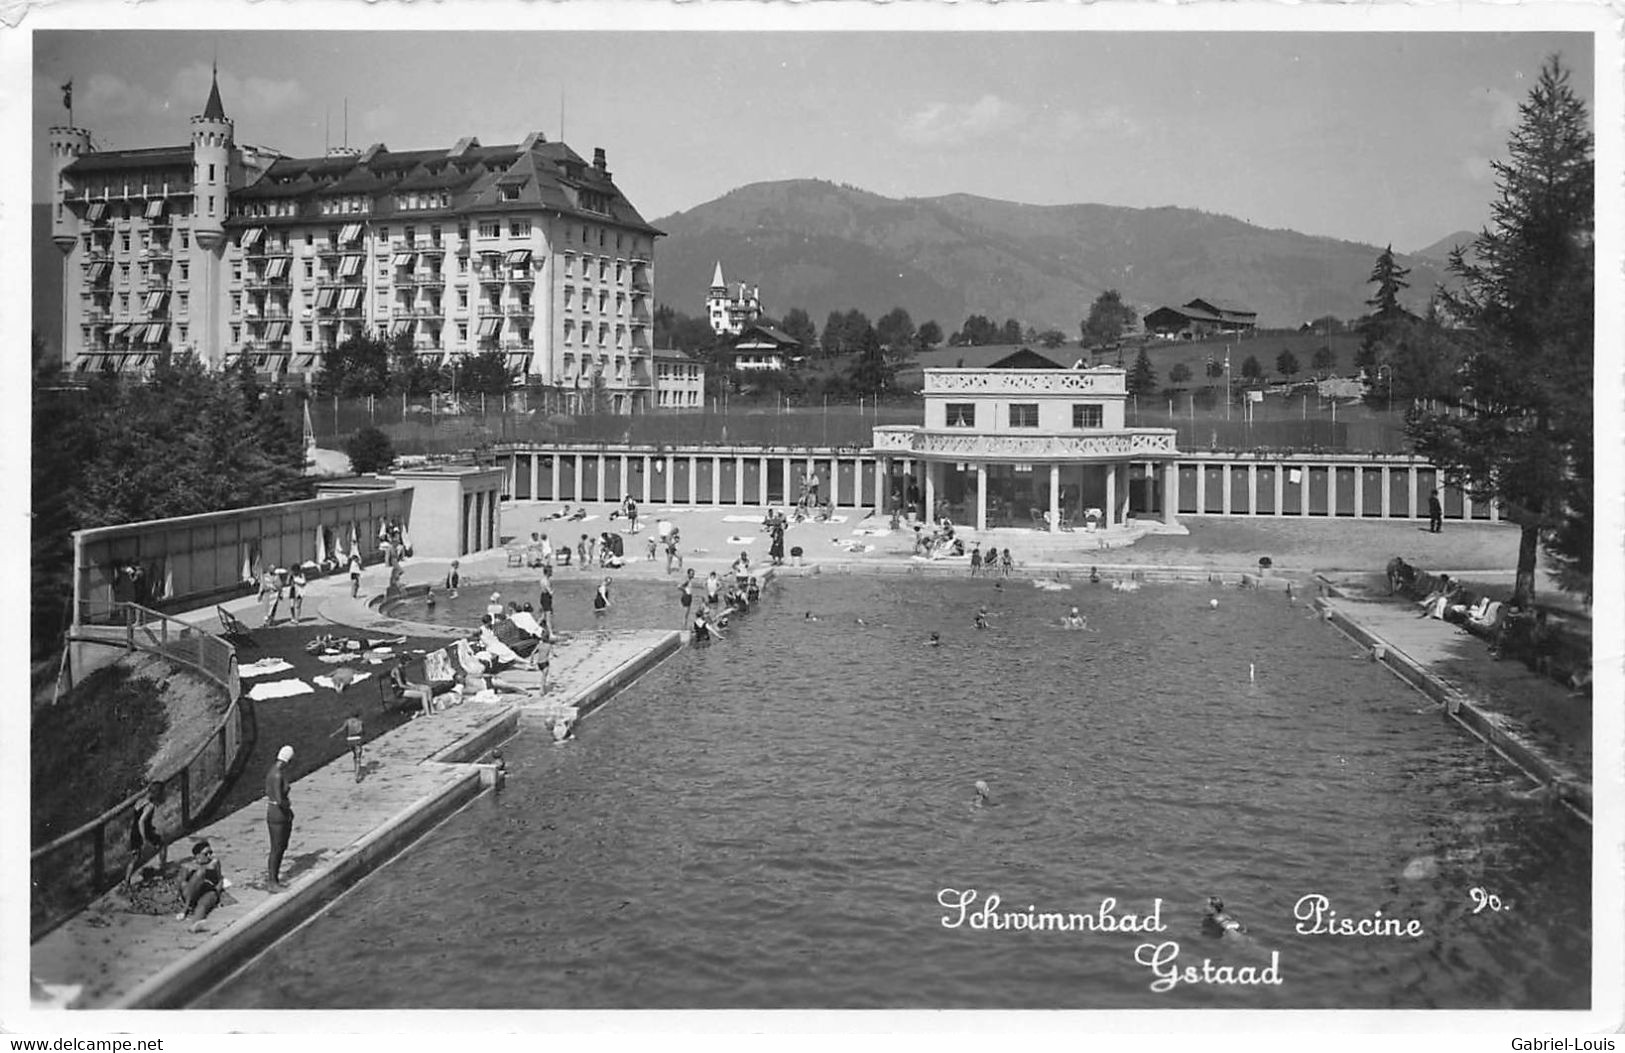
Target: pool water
(768,821)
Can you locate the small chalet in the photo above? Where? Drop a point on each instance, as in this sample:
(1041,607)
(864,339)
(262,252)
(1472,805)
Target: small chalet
(1200,317)
(763,347)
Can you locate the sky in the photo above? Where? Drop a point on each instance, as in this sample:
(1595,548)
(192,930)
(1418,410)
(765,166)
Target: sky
(1375,137)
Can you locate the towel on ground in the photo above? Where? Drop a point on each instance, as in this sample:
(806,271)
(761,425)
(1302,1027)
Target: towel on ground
(872,532)
(337,683)
(740,540)
(280,689)
(263,667)
(741,519)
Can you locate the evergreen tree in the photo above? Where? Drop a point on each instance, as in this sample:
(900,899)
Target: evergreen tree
(929,335)
(1389,277)
(1011,332)
(1142,379)
(1252,368)
(896,330)
(871,375)
(1526,301)
(1286,364)
(1179,375)
(799,325)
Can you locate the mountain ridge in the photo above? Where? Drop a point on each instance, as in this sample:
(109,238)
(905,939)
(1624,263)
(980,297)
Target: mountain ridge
(825,246)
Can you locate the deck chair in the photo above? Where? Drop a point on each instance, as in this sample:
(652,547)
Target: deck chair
(233,630)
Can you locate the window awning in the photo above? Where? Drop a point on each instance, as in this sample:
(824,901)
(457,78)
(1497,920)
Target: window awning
(277,267)
(402,259)
(349,233)
(490,327)
(516,257)
(401,325)
(304,363)
(99,271)
(155,208)
(350,298)
(156,333)
(276,331)
(155,301)
(250,236)
(118,330)
(324,298)
(96,211)
(349,266)
(519,362)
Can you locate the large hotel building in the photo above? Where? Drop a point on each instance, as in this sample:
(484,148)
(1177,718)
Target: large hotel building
(220,249)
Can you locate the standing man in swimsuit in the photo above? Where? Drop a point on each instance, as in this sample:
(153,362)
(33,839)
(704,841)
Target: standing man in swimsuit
(685,596)
(278,817)
(544,602)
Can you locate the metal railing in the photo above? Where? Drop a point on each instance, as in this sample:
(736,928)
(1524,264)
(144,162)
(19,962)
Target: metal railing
(72,870)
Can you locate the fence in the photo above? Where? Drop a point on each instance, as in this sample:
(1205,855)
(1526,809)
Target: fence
(78,866)
(415,428)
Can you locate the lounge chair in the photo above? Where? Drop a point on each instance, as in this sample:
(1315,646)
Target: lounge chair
(233,630)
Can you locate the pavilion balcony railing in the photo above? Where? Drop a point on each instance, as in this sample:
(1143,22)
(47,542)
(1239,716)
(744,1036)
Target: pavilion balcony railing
(966,445)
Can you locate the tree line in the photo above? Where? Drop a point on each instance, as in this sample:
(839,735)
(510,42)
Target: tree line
(186,442)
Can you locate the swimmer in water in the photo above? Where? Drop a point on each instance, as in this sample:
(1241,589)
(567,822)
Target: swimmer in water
(810,616)
(430,602)
(981,617)
(1074,620)
(983,794)
(1218,923)
(561,731)
(935,641)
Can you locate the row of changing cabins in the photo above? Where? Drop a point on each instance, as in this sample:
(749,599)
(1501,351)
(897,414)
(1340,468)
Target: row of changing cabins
(1331,485)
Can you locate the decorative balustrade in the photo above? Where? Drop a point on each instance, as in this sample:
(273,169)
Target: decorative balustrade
(1024,381)
(1137,442)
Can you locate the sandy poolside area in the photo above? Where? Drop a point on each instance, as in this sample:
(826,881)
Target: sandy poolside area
(717,535)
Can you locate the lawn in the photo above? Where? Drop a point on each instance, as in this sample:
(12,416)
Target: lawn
(90,751)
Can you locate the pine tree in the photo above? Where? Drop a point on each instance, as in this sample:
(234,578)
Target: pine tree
(1142,379)
(1526,304)
(1389,278)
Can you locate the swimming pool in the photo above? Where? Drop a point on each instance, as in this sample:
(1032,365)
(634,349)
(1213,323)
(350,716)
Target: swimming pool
(771,821)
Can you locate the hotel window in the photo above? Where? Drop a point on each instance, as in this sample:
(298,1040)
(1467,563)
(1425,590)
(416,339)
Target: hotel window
(462,298)
(124,274)
(462,265)
(185,270)
(236,334)
(519,228)
(462,332)
(123,303)
(603,270)
(1088,415)
(619,267)
(124,242)
(308,333)
(211,173)
(383,235)
(310,237)
(180,302)
(510,192)
(1024,415)
(236,272)
(603,298)
(961,414)
(569,331)
(310,269)
(490,230)
(180,332)
(569,297)
(236,303)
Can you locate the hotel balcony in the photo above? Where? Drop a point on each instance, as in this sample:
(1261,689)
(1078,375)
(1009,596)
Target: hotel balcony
(437,278)
(487,276)
(97,316)
(159,253)
(491,310)
(333,248)
(520,310)
(157,283)
(962,444)
(432,311)
(262,283)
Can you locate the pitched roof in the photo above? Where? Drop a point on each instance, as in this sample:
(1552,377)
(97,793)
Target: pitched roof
(1221,307)
(776,336)
(990,356)
(126,160)
(212,110)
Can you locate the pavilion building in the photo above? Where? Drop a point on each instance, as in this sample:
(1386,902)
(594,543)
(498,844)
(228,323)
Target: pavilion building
(1028,447)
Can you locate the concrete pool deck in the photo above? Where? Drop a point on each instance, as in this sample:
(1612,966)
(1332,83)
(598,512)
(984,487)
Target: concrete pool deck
(414,776)
(418,774)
